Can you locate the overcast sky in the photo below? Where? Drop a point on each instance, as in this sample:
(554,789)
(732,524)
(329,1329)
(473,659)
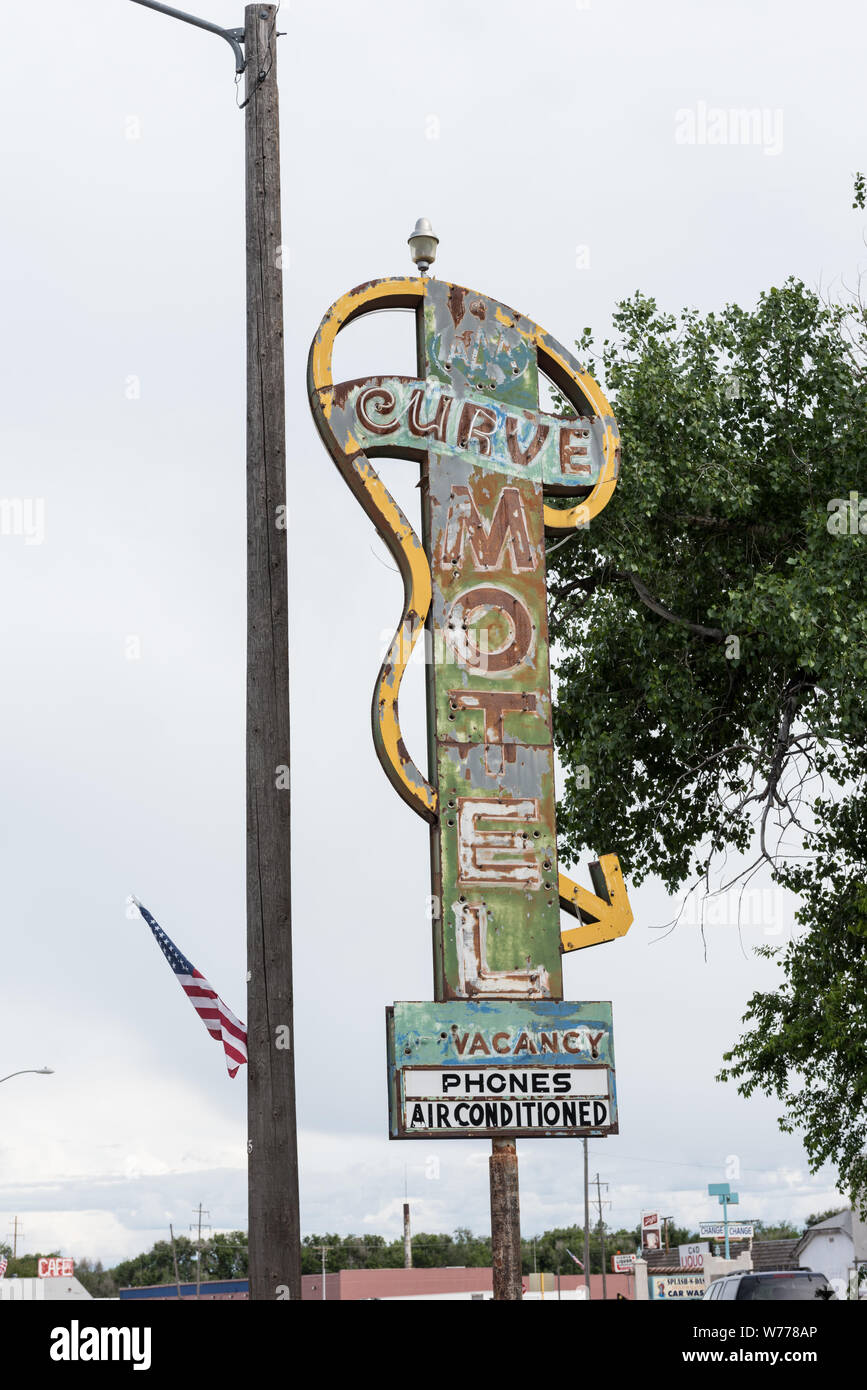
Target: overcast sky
(558,149)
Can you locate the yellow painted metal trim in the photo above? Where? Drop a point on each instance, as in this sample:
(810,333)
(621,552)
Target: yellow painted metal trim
(571,518)
(374,295)
(601,920)
(398,535)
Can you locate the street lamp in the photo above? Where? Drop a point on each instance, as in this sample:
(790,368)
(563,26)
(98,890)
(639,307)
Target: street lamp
(423,245)
(37,1071)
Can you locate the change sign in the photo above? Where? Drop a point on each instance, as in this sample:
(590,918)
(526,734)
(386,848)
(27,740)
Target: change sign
(715,1230)
(512,1068)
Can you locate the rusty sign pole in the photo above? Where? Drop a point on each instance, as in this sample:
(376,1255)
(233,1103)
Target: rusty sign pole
(498,1054)
(505,1220)
(272,1145)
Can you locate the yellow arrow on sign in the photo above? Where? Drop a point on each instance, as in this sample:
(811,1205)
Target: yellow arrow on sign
(603,917)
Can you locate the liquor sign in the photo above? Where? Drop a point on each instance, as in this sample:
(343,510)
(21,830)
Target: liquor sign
(55,1267)
(665,1287)
(693,1256)
(623,1264)
(715,1230)
(475,589)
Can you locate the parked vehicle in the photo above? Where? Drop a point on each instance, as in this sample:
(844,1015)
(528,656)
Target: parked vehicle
(771,1286)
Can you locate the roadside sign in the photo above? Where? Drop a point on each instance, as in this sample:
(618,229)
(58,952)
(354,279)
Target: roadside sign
(55,1267)
(500,1054)
(514,1068)
(715,1230)
(675,1286)
(693,1256)
(622,1264)
(651,1230)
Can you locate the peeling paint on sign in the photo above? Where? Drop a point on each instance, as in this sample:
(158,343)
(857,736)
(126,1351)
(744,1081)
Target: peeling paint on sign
(475,584)
(502,1067)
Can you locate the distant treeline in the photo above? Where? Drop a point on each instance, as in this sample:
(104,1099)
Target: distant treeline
(224,1255)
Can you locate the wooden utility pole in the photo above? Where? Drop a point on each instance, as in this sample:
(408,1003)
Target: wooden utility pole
(505,1220)
(272,1146)
(586,1219)
(274,1231)
(599,1201)
(175,1259)
(201,1212)
(15,1233)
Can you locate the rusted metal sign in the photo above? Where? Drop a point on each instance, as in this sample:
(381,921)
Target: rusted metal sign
(475,588)
(501,1068)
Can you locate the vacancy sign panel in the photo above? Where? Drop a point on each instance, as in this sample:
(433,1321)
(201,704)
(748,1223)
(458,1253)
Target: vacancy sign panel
(510,1068)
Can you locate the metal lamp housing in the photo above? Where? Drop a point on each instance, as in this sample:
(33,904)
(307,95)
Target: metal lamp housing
(423,245)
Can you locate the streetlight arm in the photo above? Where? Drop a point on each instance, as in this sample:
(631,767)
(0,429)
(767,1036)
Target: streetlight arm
(234,37)
(37,1071)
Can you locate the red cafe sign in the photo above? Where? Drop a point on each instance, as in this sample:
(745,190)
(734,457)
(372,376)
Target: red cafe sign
(55,1267)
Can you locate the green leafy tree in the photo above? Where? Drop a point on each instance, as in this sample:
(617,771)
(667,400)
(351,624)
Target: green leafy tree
(712,682)
(225,1256)
(99,1282)
(156,1266)
(822,1216)
(781,1230)
(27,1266)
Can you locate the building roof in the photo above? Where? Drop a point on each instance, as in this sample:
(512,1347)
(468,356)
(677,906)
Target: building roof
(766,1254)
(775,1254)
(843,1222)
(209,1289)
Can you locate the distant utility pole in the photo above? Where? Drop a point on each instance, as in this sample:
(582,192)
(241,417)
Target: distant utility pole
(272,1142)
(586,1220)
(201,1213)
(15,1233)
(322,1250)
(600,1203)
(175,1260)
(407,1238)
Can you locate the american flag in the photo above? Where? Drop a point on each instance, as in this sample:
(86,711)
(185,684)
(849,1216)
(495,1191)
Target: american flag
(574,1257)
(219,1020)
(3,1263)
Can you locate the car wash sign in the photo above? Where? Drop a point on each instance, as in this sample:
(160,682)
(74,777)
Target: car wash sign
(498,475)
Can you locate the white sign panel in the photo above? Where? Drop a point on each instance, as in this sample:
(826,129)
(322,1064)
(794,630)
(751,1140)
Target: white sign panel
(514,1082)
(692,1256)
(55,1267)
(676,1286)
(622,1264)
(541,1114)
(715,1230)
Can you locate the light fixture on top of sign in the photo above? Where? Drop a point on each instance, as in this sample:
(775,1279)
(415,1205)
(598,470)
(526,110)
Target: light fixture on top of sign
(423,245)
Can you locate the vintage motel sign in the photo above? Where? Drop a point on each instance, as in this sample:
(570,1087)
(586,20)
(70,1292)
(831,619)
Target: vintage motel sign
(475,587)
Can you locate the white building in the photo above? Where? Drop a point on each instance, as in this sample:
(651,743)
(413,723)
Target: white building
(837,1248)
(35,1290)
